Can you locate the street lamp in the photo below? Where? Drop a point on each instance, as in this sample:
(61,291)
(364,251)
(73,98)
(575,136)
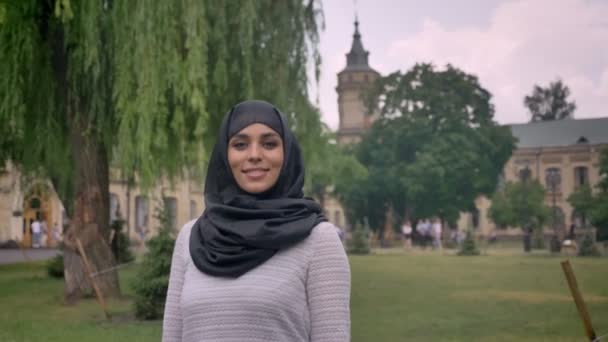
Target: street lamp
(553,178)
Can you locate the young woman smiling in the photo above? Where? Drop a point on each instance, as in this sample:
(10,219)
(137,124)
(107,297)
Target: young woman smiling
(262,263)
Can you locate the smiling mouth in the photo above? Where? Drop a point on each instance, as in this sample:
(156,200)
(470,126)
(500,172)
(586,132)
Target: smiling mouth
(255,173)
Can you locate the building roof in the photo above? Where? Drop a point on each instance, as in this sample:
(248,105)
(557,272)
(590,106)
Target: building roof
(565,132)
(357,58)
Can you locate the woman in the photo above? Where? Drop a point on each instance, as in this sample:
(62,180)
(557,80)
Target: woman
(261,263)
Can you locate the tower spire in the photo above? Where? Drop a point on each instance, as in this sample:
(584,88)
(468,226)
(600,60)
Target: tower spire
(357,57)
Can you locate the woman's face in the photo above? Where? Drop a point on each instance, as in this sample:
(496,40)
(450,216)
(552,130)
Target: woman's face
(255,155)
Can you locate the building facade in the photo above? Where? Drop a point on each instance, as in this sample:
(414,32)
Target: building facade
(566,151)
(22,201)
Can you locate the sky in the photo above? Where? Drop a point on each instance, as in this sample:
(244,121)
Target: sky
(511,45)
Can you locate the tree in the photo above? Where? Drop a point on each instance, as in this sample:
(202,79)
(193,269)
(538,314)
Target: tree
(581,201)
(521,205)
(435,147)
(551,103)
(139,86)
(599,212)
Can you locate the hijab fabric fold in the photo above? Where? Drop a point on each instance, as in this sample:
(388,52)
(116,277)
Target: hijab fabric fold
(239,231)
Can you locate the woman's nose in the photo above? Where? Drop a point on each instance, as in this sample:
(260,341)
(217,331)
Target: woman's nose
(254,152)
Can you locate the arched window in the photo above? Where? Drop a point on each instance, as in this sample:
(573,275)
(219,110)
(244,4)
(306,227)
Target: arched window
(553,179)
(171,207)
(141,213)
(114,207)
(525,174)
(581,176)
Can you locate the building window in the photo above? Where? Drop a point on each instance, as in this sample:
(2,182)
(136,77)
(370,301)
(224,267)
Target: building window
(525,174)
(114,207)
(553,179)
(141,213)
(475,218)
(337,218)
(581,176)
(171,208)
(193,210)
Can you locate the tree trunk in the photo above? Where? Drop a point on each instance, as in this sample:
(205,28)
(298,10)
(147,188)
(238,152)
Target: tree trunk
(90,211)
(90,221)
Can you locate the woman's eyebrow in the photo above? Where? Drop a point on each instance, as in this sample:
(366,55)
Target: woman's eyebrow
(269,135)
(240,136)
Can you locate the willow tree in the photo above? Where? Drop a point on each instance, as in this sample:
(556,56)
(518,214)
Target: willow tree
(138,86)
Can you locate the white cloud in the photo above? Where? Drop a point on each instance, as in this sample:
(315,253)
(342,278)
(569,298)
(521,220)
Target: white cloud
(526,43)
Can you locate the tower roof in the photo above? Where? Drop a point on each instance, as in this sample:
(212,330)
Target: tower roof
(357,58)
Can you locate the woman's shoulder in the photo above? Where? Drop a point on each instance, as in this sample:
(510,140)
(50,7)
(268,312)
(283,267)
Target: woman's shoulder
(325,230)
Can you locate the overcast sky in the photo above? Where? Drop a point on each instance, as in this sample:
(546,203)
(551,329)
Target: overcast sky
(509,44)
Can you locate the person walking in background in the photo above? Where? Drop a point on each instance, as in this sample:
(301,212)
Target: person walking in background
(406,230)
(436,230)
(36,233)
(262,263)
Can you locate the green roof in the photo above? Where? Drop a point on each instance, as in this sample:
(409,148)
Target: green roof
(565,132)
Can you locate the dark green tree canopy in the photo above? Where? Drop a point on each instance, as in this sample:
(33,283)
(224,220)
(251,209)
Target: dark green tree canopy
(550,103)
(435,147)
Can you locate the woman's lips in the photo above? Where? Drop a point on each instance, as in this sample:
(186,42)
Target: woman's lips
(255,174)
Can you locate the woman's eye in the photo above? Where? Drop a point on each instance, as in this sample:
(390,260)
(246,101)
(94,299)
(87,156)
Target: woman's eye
(270,144)
(239,145)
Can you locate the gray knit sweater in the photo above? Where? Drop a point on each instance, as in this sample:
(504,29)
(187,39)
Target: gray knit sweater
(301,294)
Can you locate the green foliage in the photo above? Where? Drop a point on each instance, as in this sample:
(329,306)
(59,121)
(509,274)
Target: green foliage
(469,246)
(520,204)
(152,280)
(120,243)
(551,103)
(149,80)
(538,239)
(435,147)
(582,203)
(588,247)
(599,212)
(359,243)
(54,266)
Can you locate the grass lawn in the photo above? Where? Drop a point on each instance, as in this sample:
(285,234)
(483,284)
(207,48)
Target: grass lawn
(396,296)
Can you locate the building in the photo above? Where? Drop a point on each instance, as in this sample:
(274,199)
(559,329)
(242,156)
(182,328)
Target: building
(569,149)
(22,201)
(353,80)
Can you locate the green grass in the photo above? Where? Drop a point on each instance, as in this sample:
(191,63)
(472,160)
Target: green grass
(396,296)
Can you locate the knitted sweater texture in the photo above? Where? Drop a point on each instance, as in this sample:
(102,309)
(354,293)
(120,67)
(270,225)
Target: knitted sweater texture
(301,294)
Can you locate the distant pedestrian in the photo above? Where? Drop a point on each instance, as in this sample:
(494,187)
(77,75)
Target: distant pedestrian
(36,233)
(436,230)
(406,230)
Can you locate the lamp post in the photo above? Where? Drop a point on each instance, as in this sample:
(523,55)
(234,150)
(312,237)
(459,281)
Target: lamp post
(553,178)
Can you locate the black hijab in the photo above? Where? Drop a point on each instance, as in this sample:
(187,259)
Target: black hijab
(239,231)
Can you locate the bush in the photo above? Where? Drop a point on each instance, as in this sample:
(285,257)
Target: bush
(588,247)
(152,279)
(54,266)
(359,244)
(120,243)
(538,239)
(469,247)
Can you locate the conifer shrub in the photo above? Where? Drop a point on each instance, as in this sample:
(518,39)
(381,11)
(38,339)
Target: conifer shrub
(588,247)
(54,266)
(359,243)
(538,239)
(120,243)
(469,246)
(152,279)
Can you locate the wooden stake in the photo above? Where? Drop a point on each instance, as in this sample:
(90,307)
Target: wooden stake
(578,300)
(89,272)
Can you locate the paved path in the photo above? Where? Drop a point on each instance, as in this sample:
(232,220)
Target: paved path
(10,256)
